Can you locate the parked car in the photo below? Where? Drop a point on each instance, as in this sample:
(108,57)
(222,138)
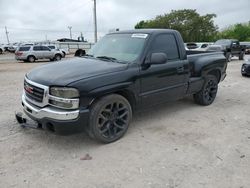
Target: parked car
(124,72)
(11,49)
(54,47)
(198,46)
(245,68)
(230,48)
(191,45)
(33,53)
(1,49)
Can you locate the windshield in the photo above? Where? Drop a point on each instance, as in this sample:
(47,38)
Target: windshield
(223,42)
(122,47)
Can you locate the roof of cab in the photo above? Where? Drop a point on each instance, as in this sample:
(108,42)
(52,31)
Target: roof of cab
(146,31)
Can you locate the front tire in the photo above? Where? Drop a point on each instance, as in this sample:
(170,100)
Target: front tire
(57,57)
(229,56)
(208,93)
(109,118)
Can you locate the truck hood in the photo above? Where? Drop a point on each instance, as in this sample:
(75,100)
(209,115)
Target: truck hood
(215,47)
(68,71)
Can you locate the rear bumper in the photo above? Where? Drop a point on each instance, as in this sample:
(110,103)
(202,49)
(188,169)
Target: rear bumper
(20,58)
(62,122)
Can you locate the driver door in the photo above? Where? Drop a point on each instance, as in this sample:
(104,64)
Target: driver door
(47,52)
(164,82)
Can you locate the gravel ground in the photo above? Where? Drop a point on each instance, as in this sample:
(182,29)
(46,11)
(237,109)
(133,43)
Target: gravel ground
(179,144)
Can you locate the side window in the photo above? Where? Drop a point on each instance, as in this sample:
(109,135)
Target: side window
(166,43)
(37,48)
(45,48)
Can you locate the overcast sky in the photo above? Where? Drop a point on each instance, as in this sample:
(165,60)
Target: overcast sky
(29,20)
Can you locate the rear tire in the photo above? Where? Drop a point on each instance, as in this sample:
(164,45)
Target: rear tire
(109,118)
(31,59)
(1,51)
(241,56)
(208,92)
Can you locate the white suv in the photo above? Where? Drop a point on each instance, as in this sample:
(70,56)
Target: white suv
(33,53)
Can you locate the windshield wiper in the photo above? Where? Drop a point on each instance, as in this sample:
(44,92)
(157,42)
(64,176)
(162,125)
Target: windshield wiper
(107,58)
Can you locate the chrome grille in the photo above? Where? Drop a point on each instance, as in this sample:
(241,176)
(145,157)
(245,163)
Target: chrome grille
(33,92)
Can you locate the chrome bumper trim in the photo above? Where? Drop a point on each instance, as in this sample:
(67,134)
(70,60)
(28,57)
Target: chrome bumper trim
(48,112)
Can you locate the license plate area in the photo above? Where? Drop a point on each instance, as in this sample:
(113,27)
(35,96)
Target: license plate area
(25,121)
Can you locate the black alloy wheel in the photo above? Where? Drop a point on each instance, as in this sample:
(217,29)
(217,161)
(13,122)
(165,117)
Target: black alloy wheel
(208,93)
(110,118)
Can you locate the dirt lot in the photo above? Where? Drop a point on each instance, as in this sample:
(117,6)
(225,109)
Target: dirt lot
(173,145)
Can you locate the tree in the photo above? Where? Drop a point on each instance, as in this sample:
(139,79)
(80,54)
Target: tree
(238,31)
(188,22)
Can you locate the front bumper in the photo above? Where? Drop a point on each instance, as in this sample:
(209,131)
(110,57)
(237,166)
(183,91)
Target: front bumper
(63,122)
(48,112)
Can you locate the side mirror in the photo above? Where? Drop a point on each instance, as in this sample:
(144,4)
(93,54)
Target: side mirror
(158,58)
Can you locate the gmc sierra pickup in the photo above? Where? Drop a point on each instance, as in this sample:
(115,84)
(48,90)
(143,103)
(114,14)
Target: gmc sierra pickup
(230,48)
(125,71)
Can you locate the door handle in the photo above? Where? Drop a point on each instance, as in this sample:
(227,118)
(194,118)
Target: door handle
(180,69)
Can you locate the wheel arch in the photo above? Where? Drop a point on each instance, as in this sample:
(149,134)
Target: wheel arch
(31,55)
(58,54)
(216,73)
(126,93)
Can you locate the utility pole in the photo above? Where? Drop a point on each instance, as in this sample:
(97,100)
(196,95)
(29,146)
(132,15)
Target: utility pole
(70,27)
(95,22)
(7,35)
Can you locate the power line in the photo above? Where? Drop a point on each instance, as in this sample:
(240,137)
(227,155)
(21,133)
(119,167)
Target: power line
(46,30)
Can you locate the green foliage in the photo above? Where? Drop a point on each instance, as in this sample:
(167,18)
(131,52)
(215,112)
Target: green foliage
(238,31)
(191,25)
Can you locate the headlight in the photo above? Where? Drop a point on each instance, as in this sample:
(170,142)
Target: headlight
(62,97)
(64,92)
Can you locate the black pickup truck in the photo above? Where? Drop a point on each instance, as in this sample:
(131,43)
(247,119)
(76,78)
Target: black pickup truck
(230,48)
(125,71)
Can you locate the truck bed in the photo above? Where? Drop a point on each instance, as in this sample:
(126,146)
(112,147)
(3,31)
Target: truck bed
(198,59)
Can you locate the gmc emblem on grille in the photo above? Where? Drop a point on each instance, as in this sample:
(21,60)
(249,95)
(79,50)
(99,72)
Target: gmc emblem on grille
(28,88)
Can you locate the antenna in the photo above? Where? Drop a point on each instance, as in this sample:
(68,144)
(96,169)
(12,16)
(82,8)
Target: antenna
(7,34)
(70,27)
(95,22)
